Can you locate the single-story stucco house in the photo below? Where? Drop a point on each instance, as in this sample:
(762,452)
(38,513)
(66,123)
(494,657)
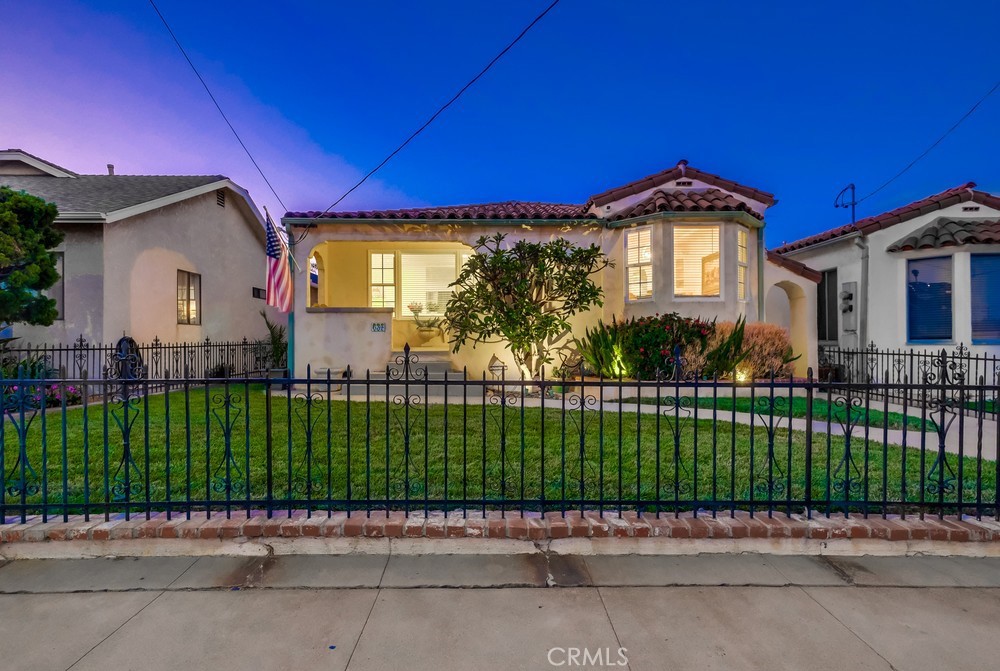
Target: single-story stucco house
(682,240)
(922,276)
(174,257)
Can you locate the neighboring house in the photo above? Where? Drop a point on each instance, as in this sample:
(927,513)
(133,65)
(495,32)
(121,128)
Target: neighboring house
(924,275)
(682,240)
(178,257)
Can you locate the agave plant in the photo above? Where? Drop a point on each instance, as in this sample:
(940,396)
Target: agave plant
(601,349)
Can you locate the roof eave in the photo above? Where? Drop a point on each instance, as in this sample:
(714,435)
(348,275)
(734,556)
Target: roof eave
(737,215)
(312,222)
(821,243)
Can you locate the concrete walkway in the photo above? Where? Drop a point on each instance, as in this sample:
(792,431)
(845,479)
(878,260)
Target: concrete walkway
(529,611)
(962,436)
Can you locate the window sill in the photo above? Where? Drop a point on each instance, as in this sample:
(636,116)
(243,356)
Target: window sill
(639,300)
(699,299)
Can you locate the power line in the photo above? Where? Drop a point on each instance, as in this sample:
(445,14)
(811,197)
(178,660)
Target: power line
(443,107)
(936,143)
(217,106)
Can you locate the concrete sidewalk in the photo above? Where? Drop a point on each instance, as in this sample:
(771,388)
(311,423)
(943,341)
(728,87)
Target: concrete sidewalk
(527,611)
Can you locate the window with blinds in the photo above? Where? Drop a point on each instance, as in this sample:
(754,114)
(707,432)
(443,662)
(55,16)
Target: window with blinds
(424,280)
(742,263)
(985,298)
(383,280)
(697,271)
(188,297)
(928,299)
(639,264)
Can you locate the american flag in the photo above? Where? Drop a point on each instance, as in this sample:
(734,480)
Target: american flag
(279,274)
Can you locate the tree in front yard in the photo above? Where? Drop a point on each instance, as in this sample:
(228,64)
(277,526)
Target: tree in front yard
(523,295)
(27,232)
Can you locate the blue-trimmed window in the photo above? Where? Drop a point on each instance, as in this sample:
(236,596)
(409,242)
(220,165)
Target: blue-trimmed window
(985,298)
(928,300)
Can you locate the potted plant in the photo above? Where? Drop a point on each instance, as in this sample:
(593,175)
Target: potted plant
(275,355)
(427,327)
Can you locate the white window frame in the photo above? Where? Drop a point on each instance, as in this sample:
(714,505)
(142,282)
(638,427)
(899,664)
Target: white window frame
(742,265)
(397,273)
(652,268)
(722,264)
(395,277)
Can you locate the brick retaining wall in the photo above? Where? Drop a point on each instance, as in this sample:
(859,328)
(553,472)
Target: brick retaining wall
(532,526)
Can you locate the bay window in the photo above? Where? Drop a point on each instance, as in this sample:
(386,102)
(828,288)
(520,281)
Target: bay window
(697,269)
(928,299)
(639,264)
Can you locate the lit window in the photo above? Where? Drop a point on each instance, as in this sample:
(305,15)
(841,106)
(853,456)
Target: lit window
(639,264)
(985,297)
(742,267)
(188,297)
(696,261)
(383,280)
(425,280)
(928,299)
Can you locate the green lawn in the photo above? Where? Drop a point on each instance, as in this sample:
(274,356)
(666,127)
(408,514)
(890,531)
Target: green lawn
(386,456)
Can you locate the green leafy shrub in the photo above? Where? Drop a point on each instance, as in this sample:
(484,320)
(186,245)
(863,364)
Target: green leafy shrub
(648,343)
(602,352)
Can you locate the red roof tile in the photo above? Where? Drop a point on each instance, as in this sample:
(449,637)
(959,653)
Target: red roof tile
(946,232)
(709,200)
(868,225)
(680,171)
(510,209)
(794,266)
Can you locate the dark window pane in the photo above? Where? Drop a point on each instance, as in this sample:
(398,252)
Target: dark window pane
(928,299)
(985,297)
(826,309)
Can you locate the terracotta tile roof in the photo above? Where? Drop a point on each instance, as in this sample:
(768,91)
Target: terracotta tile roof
(709,200)
(510,209)
(958,194)
(680,171)
(794,266)
(946,232)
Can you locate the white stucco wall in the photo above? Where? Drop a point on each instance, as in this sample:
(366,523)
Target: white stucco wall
(886,297)
(142,255)
(887,272)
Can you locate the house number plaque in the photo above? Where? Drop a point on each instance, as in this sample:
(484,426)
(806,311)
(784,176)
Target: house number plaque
(378,327)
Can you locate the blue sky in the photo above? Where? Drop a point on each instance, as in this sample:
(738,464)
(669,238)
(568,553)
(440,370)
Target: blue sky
(793,98)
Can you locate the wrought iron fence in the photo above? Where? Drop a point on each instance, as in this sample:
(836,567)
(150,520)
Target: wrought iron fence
(406,440)
(153,360)
(880,367)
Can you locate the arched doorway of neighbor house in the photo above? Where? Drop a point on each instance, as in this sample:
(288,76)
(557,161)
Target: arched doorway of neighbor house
(785,305)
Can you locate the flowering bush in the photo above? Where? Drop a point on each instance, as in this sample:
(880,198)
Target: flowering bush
(648,343)
(54,394)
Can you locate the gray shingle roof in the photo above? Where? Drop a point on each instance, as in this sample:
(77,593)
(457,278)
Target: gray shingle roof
(947,232)
(104,193)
